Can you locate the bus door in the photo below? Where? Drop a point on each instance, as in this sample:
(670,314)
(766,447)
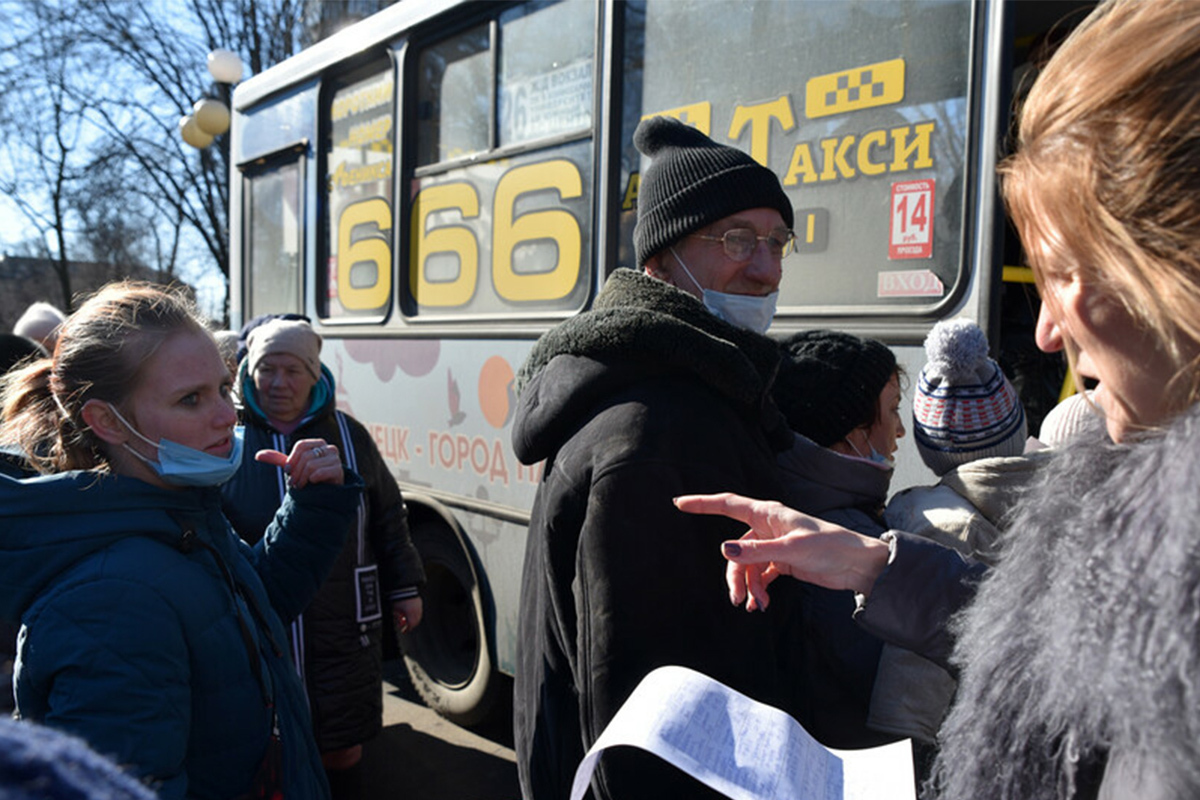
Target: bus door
(864,111)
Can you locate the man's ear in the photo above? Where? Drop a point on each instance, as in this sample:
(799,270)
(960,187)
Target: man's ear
(654,268)
(99,417)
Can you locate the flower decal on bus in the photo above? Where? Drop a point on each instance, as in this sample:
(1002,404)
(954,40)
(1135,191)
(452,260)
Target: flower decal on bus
(414,357)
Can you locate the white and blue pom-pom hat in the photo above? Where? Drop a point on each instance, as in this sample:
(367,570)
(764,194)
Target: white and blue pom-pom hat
(964,407)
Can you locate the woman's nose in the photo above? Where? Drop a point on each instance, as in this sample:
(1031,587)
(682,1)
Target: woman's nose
(228,415)
(1047,333)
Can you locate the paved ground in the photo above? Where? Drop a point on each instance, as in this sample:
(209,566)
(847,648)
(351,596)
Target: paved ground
(420,755)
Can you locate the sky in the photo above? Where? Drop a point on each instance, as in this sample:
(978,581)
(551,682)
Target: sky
(15,228)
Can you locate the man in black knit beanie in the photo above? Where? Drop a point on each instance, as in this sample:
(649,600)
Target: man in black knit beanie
(711,221)
(661,388)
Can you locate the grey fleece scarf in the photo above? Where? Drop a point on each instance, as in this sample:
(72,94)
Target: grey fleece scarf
(642,320)
(1084,644)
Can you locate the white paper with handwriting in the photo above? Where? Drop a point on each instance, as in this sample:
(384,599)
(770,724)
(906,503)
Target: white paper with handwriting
(742,748)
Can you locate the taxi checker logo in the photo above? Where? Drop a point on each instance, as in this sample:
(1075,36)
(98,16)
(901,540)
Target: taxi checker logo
(853,89)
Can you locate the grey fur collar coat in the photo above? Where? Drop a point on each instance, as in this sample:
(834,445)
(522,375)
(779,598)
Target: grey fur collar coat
(1080,659)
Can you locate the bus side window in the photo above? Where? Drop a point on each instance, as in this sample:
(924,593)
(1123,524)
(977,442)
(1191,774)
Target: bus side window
(454,100)
(274,247)
(545,74)
(355,280)
(501,215)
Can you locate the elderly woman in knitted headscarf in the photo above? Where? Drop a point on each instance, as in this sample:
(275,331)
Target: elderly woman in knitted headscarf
(288,394)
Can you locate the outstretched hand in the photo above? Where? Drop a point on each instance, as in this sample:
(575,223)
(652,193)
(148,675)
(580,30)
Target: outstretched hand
(311,461)
(783,541)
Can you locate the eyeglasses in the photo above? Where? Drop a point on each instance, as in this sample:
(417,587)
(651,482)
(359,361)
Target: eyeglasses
(739,243)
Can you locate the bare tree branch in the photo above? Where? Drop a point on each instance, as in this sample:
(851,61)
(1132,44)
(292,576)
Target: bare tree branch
(92,94)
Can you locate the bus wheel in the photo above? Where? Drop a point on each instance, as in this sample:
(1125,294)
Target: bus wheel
(447,656)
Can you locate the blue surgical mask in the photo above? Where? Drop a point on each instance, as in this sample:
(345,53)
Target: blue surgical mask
(752,312)
(180,465)
(875,456)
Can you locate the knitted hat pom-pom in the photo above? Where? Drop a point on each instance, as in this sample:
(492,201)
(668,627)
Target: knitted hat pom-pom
(657,133)
(956,349)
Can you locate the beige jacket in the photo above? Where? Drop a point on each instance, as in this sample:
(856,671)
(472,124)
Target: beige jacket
(966,511)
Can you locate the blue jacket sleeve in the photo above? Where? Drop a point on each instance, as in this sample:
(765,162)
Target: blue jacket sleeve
(915,596)
(107,661)
(295,556)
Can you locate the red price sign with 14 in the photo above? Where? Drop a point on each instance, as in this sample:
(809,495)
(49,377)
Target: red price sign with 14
(911,230)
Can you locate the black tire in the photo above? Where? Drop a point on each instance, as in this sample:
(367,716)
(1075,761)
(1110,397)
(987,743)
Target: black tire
(447,656)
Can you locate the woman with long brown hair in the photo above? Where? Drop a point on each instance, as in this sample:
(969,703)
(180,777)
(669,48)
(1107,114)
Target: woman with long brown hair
(147,627)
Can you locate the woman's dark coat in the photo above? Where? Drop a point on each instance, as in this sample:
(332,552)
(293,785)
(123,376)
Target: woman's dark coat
(336,641)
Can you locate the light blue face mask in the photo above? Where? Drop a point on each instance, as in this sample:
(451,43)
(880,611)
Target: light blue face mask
(752,312)
(180,465)
(875,457)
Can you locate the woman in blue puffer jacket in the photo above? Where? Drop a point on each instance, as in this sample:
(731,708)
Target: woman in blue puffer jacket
(147,627)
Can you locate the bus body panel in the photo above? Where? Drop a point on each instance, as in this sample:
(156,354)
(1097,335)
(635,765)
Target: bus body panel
(437,186)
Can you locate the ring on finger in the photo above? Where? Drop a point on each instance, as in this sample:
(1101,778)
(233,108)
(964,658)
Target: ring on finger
(319,452)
